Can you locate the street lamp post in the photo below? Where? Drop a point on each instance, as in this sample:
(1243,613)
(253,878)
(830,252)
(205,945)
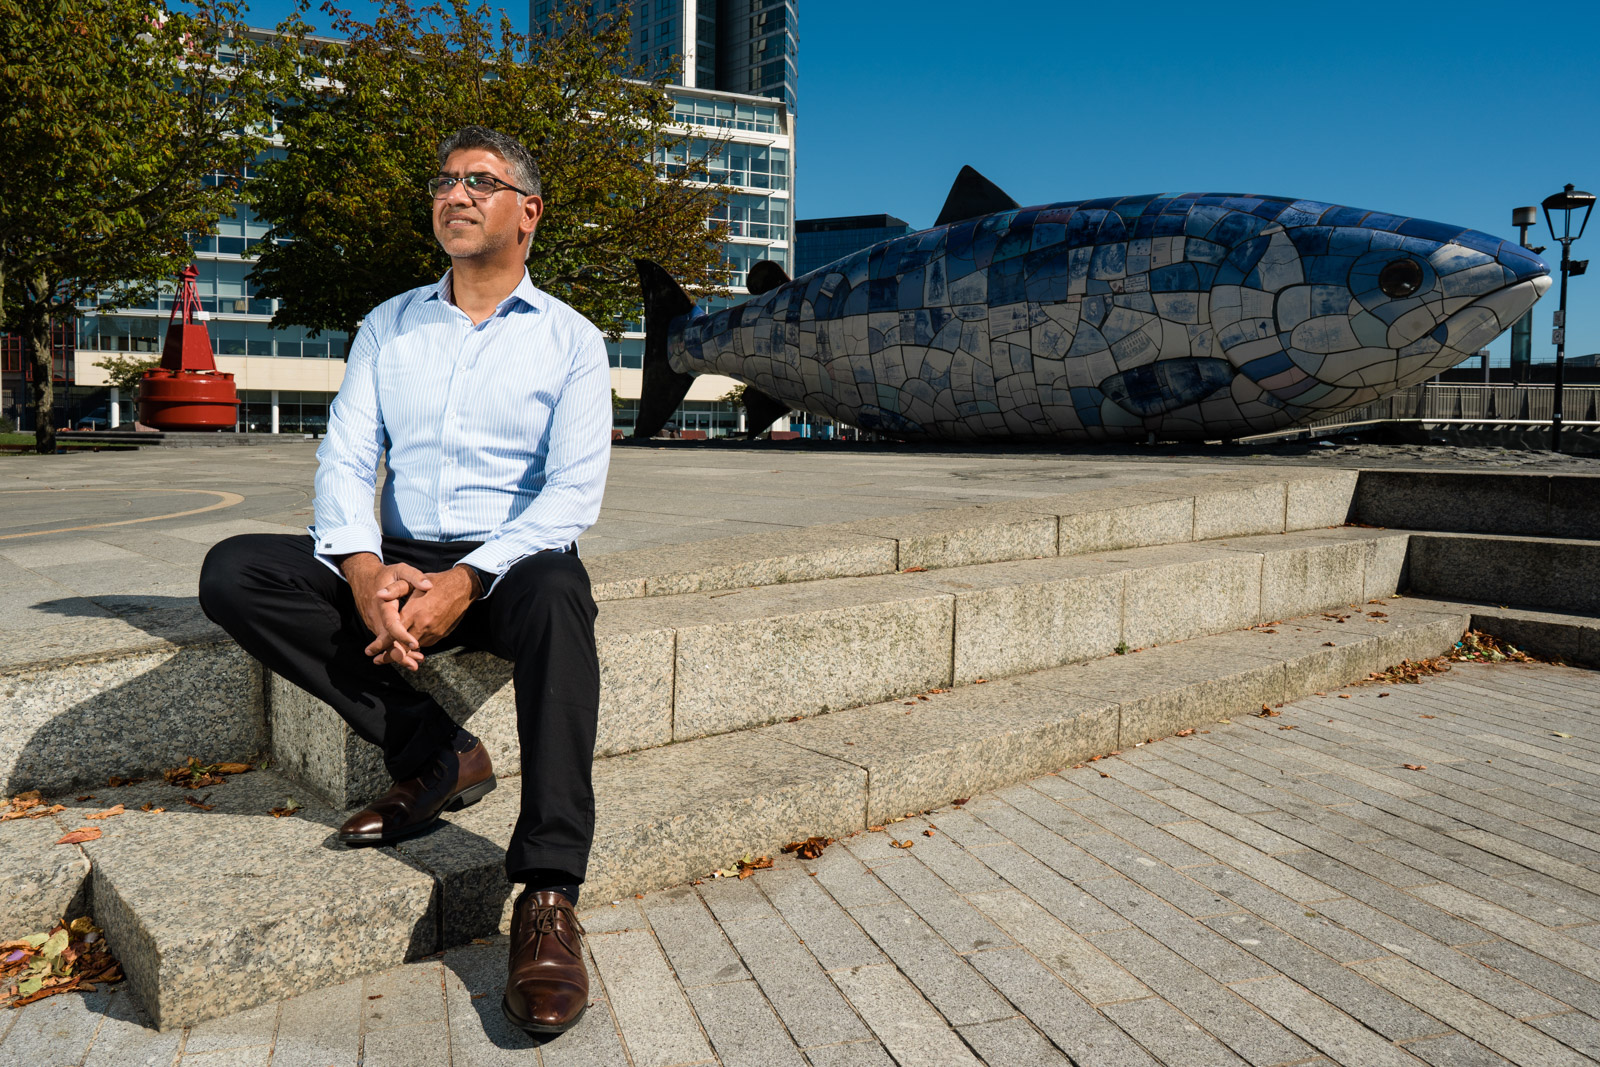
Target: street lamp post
(1522,329)
(1565,202)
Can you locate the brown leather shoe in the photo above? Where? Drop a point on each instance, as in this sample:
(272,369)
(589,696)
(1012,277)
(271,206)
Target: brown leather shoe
(547,989)
(450,782)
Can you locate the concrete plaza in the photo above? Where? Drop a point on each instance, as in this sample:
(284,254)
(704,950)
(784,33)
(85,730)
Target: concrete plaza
(1276,890)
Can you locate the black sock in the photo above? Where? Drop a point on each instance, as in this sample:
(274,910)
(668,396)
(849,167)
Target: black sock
(543,879)
(462,741)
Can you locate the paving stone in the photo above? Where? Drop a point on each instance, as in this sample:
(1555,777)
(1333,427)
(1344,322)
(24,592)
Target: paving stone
(907,1025)
(421,1045)
(1453,1050)
(743,1030)
(1322,1025)
(694,945)
(1154,615)
(260,1055)
(1072,1025)
(1542,974)
(316,1029)
(1052,891)
(1250,861)
(41,882)
(954,865)
(1078,962)
(826,929)
(1193,941)
(958,537)
(253,1027)
(1488,1026)
(1063,856)
(1513,927)
(1333,982)
(953,987)
(1174,886)
(1168,1035)
(794,982)
(847,880)
(958,922)
(1577,1031)
(656,1023)
(1235,1022)
(126,1039)
(857,1054)
(56,1030)
(1304,921)
(474,979)
(1013,1042)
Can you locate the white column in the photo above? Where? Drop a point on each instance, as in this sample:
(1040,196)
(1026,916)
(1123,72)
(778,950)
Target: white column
(116,407)
(274,411)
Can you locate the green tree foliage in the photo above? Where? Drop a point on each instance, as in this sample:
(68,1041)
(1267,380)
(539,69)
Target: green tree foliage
(113,115)
(360,143)
(126,372)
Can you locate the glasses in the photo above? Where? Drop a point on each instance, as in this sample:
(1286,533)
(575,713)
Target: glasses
(478,186)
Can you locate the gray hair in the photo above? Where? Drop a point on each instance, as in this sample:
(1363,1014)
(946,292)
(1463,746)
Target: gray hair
(519,161)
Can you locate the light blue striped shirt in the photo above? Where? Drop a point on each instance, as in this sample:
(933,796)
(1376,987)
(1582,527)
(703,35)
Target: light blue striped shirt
(499,432)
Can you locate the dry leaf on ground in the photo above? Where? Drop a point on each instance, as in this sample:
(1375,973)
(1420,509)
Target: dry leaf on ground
(1415,766)
(907,843)
(65,958)
(197,775)
(29,805)
(810,848)
(80,835)
(198,804)
(750,865)
(108,813)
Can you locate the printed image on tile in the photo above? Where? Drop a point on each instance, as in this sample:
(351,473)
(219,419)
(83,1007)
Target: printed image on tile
(1188,316)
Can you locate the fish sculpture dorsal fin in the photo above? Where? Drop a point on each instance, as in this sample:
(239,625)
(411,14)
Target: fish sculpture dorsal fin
(764,276)
(973,195)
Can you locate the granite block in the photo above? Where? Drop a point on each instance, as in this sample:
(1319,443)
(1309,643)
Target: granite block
(662,817)
(739,562)
(79,722)
(1320,499)
(41,882)
(958,744)
(312,743)
(214,912)
(1238,507)
(959,537)
(1302,572)
(1026,616)
(1574,505)
(1158,521)
(1574,638)
(1524,572)
(314,746)
(1162,690)
(1180,591)
(1475,502)
(804,649)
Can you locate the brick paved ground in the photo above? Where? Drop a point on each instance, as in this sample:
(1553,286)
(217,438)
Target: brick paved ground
(1254,894)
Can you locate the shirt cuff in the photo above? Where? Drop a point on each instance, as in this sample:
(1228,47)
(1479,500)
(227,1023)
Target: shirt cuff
(332,545)
(494,559)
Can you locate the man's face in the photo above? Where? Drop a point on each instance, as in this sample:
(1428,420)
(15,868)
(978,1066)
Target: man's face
(485,229)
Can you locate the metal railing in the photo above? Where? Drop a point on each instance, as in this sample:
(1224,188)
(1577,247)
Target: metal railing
(1450,402)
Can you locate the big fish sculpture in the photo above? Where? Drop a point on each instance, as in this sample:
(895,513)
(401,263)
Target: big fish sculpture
(1185,317)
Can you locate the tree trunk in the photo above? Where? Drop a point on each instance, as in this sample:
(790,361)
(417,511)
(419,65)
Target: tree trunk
(36,338)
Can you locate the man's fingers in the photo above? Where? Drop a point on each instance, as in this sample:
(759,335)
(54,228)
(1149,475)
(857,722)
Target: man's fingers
(395,590)
(394,625)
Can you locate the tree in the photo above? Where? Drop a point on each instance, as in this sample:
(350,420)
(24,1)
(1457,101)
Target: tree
(126,372)
(124,127)
(351,220)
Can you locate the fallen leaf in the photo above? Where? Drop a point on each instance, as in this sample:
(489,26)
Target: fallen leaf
(1322,694)
(810,848)
(907,843)
(1285,726)
(1268,631)
(1415,766)
(1328,644)
(750,865)
(874,829)
(913,570)
(1558,734)
(233,768)
(117,783)
(929,833)
(80,835)
(1185,732)
(150,807)
(1344,696)
(376,996)
(80,800)
(1426,716)
(290,806)
(1383,694)
(980,681)
(192,802)
(108,813)
(1103,774)
(960,801)
(1376,615)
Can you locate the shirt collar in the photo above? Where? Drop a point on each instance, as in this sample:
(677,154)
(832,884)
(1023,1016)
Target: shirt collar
(525,292)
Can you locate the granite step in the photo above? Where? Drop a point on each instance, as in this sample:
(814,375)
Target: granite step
(155,678)
(676,668)
(215,911)
(1559,574)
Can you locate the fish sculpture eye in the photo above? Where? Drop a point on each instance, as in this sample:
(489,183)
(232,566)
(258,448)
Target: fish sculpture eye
(1402,277)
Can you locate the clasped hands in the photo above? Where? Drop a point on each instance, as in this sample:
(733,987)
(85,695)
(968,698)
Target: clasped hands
(405,609)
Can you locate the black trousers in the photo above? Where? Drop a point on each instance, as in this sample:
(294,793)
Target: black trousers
(290,611)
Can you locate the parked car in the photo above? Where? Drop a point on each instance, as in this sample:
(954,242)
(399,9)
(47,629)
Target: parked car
(98,419)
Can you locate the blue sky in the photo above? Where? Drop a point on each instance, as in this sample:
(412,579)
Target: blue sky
(1450,111)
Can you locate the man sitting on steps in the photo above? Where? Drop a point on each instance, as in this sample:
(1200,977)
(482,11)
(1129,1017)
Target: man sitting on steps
(492,403)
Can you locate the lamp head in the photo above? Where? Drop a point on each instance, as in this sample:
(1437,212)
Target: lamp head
(1566,202)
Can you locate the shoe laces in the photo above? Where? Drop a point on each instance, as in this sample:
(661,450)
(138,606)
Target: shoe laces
(544,919)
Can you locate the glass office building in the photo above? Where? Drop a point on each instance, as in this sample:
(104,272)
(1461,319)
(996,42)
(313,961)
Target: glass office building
(818,242)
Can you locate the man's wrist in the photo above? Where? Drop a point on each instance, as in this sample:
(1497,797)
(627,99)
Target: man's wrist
(475,579)
(356,562)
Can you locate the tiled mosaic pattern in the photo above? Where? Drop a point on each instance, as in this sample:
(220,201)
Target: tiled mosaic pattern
(1188,316)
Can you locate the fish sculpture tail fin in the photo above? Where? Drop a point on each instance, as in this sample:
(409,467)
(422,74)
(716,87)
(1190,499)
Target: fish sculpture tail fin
(663,388)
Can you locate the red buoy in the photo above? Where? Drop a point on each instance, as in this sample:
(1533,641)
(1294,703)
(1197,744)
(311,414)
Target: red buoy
(187,392)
